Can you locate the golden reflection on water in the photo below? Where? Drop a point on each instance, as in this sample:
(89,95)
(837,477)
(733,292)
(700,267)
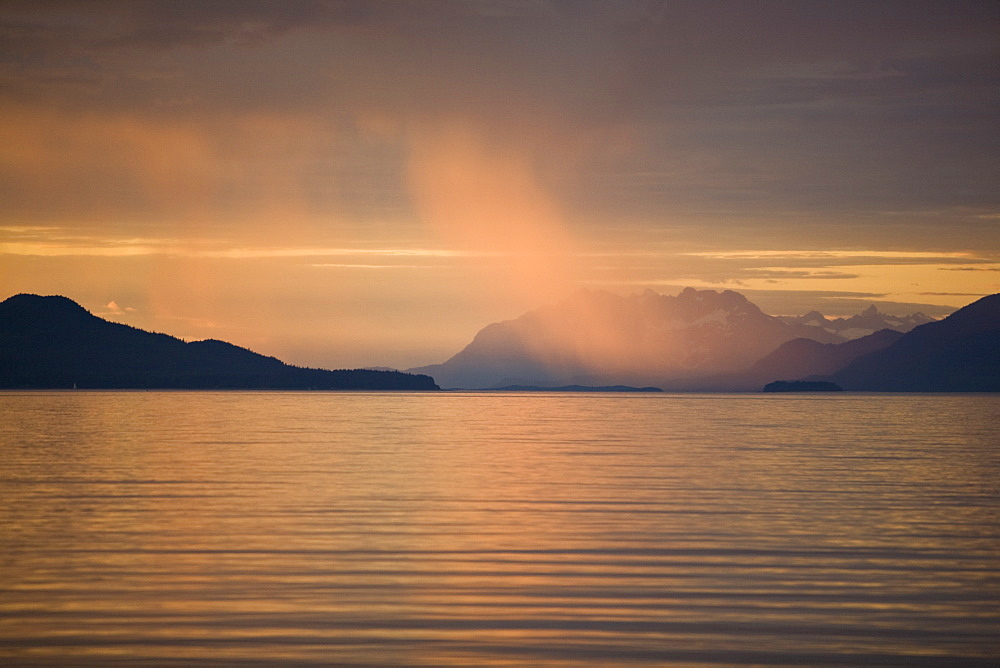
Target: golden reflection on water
(498,529)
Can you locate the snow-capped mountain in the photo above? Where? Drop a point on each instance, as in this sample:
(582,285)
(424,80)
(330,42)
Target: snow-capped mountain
(867,322)
(598,338)
(959,353)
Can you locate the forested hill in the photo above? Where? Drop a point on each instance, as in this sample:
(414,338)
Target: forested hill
(53,342)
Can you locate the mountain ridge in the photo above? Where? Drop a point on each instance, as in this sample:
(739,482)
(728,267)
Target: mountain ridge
(53,342)
(800,358)
(867,322)
(599,338)
(959,353)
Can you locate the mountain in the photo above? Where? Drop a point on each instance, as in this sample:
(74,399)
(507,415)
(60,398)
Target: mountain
(802,386)
(867,322)
(799,358)
(53,342)
(960,353)
(804,357)
(598,338)
(572,388)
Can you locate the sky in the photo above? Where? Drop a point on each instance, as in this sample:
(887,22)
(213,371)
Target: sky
(369,183)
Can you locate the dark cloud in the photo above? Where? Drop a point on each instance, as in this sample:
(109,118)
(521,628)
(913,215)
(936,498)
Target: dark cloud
(634,110)
(152,24)
(792,273)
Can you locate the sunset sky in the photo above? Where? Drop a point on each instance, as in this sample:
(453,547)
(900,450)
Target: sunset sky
(346,184)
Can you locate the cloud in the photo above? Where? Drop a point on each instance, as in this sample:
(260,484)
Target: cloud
(319,251)
(183,143)
(113,310)
(141,171)
(843,258)
(150,24)
(483,195)
(839,303)
(968,269)
(671,108)
(792,273)
(332,265)
(56,241)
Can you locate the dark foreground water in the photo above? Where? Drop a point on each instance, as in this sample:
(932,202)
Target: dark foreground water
(470,529)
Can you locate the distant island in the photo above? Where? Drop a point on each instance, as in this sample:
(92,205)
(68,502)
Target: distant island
(571,388)
(54,343)
(802,386)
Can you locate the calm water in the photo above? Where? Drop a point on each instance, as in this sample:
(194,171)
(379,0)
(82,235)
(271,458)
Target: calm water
(471,529)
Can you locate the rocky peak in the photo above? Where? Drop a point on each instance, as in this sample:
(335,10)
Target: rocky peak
(814,316)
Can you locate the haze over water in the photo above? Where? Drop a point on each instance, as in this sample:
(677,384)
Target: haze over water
(480,529)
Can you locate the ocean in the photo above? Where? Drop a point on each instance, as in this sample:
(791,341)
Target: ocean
(481,529)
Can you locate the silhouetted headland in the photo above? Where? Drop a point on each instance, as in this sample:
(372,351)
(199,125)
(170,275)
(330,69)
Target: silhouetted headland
(571,388)
(802,386)
(53,342)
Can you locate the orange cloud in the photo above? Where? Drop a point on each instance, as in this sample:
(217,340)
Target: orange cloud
(130,169)
(484,196)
